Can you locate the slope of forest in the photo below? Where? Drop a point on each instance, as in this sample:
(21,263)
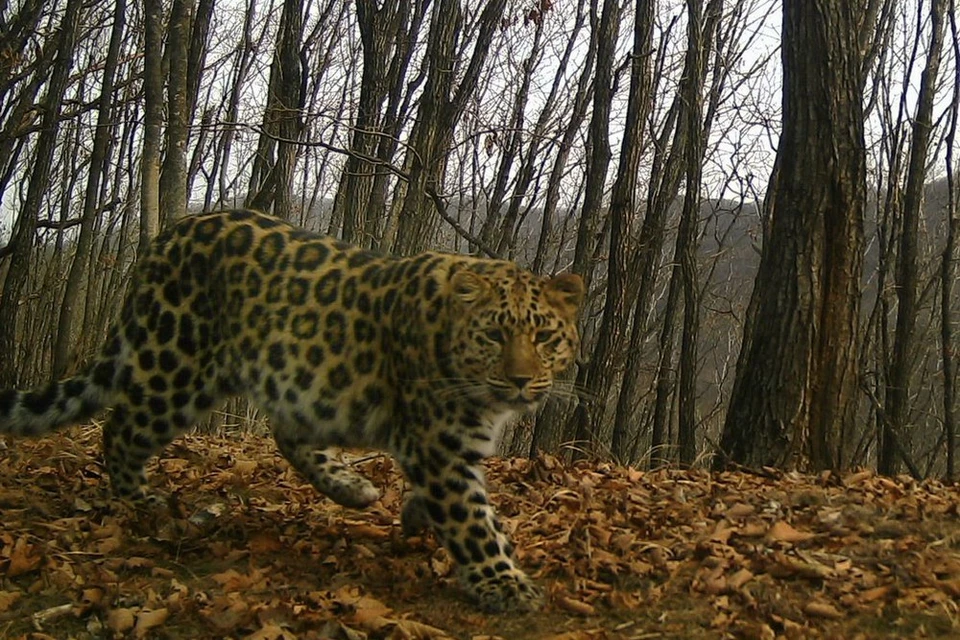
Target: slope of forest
(248,550)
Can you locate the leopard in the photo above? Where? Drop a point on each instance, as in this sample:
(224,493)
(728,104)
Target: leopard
(426,357)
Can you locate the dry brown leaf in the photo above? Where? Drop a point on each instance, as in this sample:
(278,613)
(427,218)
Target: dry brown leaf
(782,532)
(147,620)
(24,558)
(576,606)
(739,510)
(739,578)
(8,598)
(412,630)
(271,632)
(822,610)
(876,593)
(121,620)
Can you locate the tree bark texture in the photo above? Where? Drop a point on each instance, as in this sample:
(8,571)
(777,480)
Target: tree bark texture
(903,363)
(271,182)
(152,122)
(441,107)
(173,170)
(97,172)
(26,227)
(796,385)
(600,371)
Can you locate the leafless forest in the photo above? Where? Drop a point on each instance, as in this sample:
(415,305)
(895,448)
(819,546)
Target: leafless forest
(645,145)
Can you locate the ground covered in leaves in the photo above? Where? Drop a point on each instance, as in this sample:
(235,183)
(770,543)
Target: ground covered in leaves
(248,550)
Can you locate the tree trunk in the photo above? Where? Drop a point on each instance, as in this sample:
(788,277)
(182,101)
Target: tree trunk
(271,182)
(379,29)
(22,242)
(152,122)
(571,130)
(901,369)
(948,346)
(99,166)
(441,107)
(173,171)
(796,385)
(589,412)
(700,31)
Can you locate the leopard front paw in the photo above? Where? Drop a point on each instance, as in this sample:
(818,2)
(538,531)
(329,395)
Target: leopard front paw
(511,590)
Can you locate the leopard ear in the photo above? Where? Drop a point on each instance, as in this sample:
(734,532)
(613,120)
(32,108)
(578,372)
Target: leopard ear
(468,286)
(565,291)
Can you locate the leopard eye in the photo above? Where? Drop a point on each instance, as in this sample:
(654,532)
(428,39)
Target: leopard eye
(543,336)
(494,335)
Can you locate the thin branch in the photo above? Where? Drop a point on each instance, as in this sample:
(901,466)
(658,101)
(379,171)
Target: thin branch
(438,200)
(893,431)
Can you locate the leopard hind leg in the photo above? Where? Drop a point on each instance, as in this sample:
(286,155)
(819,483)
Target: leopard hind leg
(140,427)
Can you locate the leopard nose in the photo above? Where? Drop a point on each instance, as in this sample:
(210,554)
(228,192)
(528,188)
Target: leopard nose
(520,381)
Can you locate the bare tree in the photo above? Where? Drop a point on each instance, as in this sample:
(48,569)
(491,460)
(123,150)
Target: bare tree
(441,107)
(152,122)
(700,30)
(39,183)
(948,346)
(272,175)
(599,375)
(898,389)
(796,386)
(96,172)
(380,31)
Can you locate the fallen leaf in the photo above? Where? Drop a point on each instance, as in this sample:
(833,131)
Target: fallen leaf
(822,610)
(782,532)
(147,620)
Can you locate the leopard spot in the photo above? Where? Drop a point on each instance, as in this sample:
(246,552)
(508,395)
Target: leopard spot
(365,362)
(339,377)
(103,373)
(271,389)
(297,290)
(183,377)
(268,252)
(276,356)
(304,325)
(160,427)
(477,531)
(143,441)
(157,384)
(437,491)
(38,402)
(168,361)
(157,405)
(166,328)
(239,241)
(359,259)
(202,402)
(476,553)
(327,287)
(206,231)
(147,360)
(304,378)
(364,330)
(335,332)
(310,256)
(324,412)
(315,355)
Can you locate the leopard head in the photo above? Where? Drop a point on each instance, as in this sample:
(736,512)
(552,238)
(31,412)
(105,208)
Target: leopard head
(512,332)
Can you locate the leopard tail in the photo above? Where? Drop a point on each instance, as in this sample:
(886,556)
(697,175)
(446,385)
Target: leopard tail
(42,410)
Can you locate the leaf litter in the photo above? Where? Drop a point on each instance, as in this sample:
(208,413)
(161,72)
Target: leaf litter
(248,549)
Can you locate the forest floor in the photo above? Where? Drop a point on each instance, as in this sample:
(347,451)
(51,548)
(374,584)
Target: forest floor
(248,550)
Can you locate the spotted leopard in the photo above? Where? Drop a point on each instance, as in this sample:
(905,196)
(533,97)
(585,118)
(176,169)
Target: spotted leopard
(426,357)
